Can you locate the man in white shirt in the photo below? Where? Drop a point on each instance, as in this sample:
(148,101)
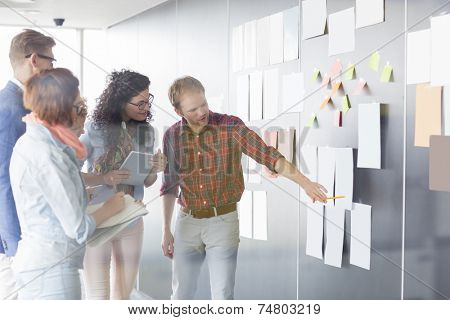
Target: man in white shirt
(30,53)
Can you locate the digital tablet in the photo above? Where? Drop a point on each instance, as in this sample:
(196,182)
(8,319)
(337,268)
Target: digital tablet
(138,164)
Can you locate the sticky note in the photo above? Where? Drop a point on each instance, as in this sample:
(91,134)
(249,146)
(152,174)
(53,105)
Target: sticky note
(336,87)
(359,87)
(345,104)
(311,120)
(336,68)
(374,61)
(325,102)
(350,71)
(338,118)
(326,79)
(386,73)
(315,74)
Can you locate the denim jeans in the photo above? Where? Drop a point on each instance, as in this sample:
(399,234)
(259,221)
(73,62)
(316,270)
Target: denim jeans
(62,282)
(217,240)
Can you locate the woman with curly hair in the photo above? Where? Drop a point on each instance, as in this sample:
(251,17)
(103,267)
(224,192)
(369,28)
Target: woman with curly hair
(120,124)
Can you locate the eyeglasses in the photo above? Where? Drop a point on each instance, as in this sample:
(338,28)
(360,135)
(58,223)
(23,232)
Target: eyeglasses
(141,105)
(81,108)
(42,56)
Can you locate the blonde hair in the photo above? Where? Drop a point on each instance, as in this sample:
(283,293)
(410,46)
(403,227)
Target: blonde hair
(28,42)
(181,85)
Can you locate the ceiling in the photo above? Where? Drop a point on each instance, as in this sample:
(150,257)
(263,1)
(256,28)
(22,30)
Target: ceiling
(95,14)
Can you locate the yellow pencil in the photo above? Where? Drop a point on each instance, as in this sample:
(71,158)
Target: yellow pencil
(332,198)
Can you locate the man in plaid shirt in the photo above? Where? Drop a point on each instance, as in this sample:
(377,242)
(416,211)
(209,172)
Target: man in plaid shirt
(204,152)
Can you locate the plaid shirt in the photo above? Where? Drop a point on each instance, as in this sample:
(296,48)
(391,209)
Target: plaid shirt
(207,166)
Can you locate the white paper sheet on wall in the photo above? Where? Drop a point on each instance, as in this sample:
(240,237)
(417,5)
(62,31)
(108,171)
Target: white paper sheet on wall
(419,57)
(290,21)
(308,166)
(276,38)
(344,177)
(369,139)
(326,165)
(314,230)
(335,224)
(341,26)
(270,93)
(293,92)
(254,171)
(263,42)
(314,17)
(242,97)
(256,95)
(286,143)
(440,48)
(260,215)
(250,44)
(238,48)
(246,215)
(369,12)
(215,103)
(360,241)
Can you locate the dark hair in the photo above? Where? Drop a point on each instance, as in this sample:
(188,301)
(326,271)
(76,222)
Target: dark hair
(51,94)
(121,87)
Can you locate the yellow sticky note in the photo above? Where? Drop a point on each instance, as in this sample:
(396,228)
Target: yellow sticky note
(345,104)
(311,120)
(374,61)
(350,71)
(325,102)
(386,74)
(336,87)
(315,74)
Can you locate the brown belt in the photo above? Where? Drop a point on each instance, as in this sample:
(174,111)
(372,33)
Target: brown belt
(210,212)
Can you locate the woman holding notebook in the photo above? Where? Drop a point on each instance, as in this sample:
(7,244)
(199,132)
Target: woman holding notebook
(49,192)
(120,124)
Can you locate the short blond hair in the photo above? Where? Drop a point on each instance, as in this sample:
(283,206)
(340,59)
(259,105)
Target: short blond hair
(181,85)
(27,42)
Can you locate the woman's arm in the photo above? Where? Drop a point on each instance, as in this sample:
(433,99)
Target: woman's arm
(111,178)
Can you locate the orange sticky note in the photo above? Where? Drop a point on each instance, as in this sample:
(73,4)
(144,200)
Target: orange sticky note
(336,87)
(325,102)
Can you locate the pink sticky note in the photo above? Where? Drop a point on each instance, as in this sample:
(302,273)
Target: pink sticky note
(359,87)
(326,79)
(336,68)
